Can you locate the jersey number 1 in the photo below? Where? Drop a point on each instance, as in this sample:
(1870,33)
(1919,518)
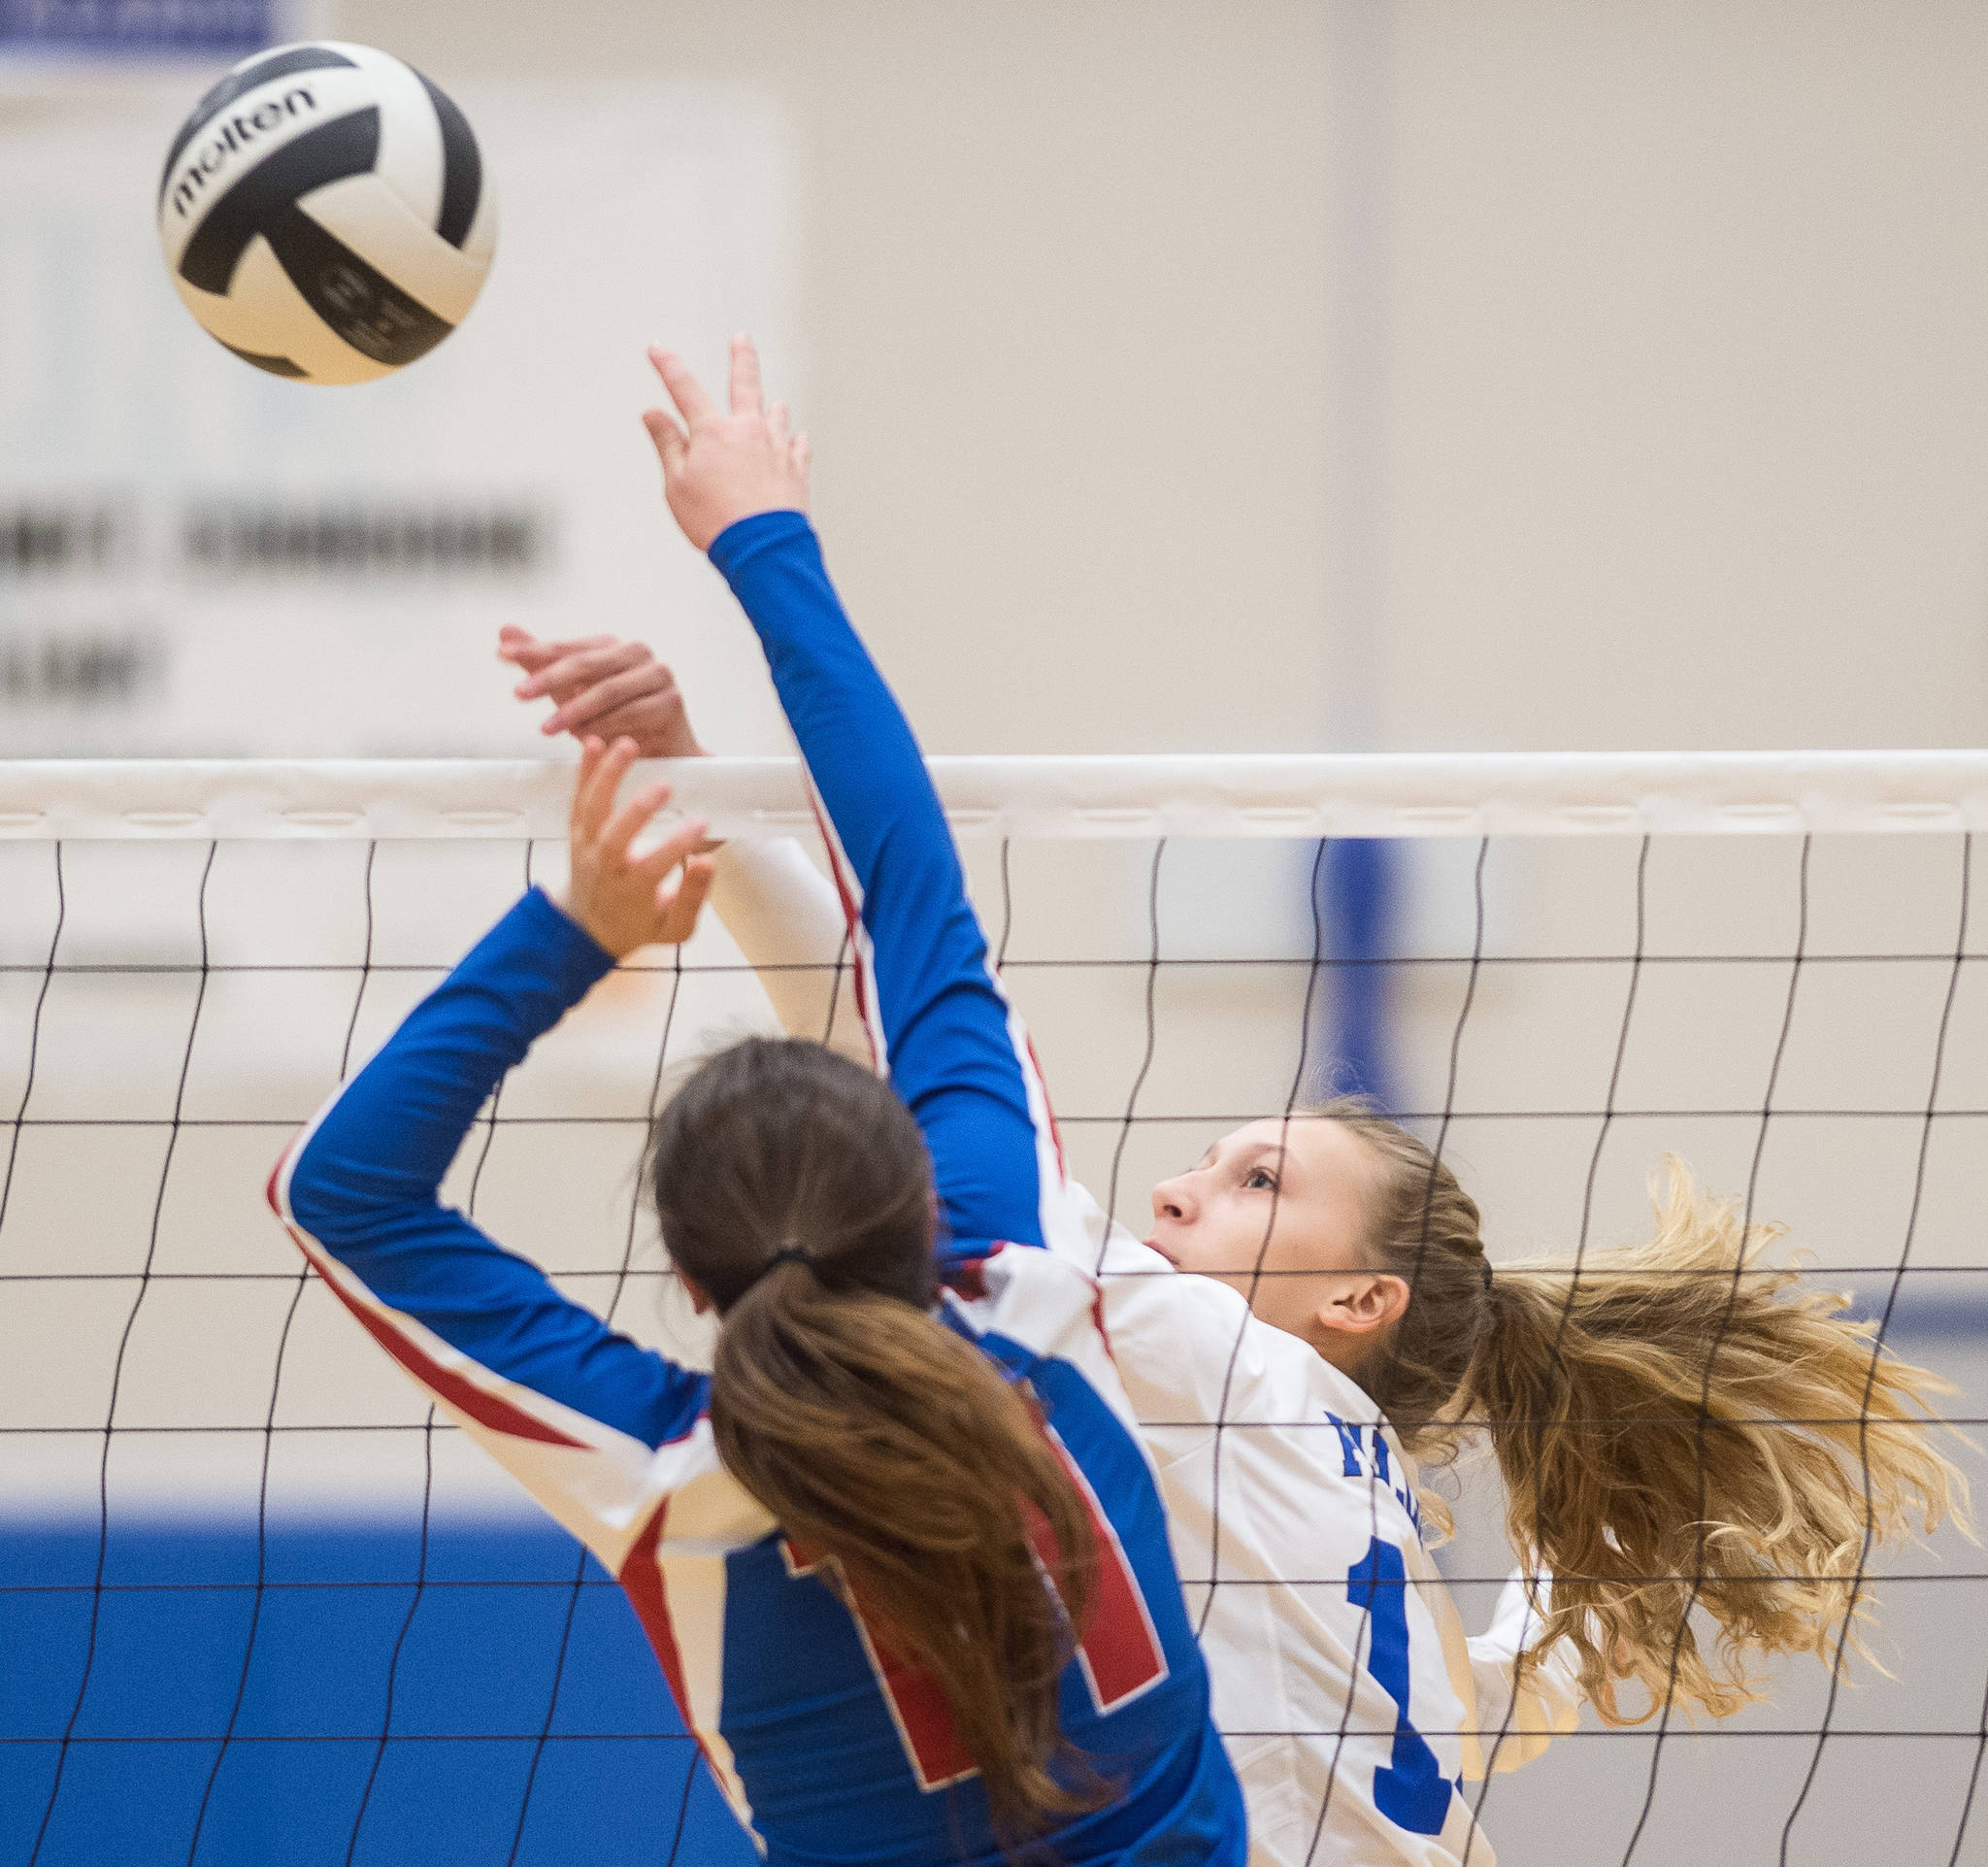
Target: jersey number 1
(1410,1790)
(1120,1657)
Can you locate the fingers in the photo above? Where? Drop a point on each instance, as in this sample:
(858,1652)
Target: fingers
(622,900)
(573,644)
(655,722)
(586,706)
(801,454)
(601,770)
(609,690)
(776,419)
(670,912)
(671,443)
(631,818)
(678,907)
(557,667)
(584,825)
(677,848)
(745,390)
(692,404)
(575,817)
(581,664)
(524,649)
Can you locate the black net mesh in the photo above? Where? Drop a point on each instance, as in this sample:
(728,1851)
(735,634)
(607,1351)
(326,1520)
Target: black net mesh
(257,1601)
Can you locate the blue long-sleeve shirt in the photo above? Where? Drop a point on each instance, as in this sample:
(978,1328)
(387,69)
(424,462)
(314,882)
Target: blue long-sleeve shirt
(832,1754)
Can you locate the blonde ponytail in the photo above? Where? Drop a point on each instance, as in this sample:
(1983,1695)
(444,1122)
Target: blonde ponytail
(1678,1424)
(1684,1427)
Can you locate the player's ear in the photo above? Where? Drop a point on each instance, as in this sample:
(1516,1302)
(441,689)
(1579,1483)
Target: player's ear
(1362,1302)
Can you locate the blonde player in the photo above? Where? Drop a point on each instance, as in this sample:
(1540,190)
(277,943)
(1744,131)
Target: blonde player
(1339,1316)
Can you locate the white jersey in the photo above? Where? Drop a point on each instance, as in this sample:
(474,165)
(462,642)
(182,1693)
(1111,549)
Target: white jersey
(1354,1708)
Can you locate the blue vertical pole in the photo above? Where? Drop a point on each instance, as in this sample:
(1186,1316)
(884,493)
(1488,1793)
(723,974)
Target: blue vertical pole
(1358,887)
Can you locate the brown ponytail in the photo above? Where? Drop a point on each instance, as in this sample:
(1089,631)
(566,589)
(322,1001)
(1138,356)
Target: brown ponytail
(1677,1425)
(794,1187)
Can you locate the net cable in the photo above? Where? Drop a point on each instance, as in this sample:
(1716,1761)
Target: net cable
(1465,994)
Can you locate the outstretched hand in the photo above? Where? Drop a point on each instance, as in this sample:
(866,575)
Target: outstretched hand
(721,468)
(604,688)
(622,899)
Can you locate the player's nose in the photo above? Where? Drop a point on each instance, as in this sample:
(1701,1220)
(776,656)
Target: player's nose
(1174,1199)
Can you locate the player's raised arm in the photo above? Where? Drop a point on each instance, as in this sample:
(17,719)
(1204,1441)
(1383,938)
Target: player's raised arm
(572,1408)
(1522,1705)
(738,484)
(782,912)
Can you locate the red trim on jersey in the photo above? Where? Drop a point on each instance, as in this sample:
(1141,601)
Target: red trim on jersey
(967,1277)
(1049,1109)
(489,1409)
(641,1576)
(1098,1323)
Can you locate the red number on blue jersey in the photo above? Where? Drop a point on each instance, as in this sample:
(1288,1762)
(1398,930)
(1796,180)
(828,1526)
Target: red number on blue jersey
(1120,1657)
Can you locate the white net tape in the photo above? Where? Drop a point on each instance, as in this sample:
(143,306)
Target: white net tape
(1391,795)
(250,1586)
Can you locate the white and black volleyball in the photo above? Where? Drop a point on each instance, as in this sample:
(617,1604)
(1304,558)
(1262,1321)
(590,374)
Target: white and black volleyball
(325,213)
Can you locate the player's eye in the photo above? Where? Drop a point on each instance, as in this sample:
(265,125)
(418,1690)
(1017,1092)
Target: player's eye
(1261,1179)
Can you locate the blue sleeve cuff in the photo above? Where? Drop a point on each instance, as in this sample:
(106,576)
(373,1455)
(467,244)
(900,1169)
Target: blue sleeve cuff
(576,960)
(742,541)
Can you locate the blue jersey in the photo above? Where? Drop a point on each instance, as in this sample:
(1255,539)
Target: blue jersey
(827,1746)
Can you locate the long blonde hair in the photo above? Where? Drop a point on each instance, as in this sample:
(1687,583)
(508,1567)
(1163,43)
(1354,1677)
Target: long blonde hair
(1678,1424)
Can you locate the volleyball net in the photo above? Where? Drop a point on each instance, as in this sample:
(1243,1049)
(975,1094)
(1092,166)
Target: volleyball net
(254,1595)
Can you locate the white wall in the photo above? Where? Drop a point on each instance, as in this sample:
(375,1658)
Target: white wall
(1690,415)
(1061,290)
(1683,410)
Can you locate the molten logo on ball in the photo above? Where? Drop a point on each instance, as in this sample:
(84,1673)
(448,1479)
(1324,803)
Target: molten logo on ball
(325,214)
(236,135)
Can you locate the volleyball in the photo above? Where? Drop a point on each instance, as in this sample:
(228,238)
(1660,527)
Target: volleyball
(326,214)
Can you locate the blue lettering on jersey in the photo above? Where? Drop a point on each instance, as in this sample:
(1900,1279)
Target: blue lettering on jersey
(1412,1792)
(1365,1451)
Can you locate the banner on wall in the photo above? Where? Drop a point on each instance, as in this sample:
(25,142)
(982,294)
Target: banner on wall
(198,558)
(149,29)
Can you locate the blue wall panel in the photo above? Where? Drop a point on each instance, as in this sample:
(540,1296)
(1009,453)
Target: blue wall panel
(478,1677)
